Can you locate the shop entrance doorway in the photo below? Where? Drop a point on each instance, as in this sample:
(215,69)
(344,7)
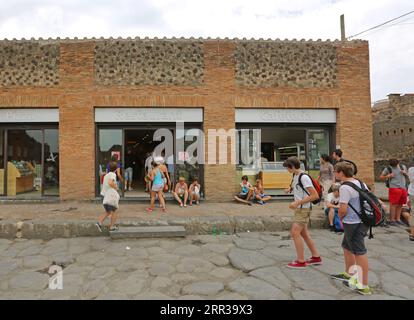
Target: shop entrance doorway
(139,146)
(132,145)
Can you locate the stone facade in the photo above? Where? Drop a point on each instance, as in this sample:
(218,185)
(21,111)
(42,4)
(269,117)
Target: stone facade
(29,63)
(286,64)
(393,130)
(213,76)
(149,62)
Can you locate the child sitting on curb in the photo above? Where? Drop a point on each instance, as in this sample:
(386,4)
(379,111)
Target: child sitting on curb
(259,195)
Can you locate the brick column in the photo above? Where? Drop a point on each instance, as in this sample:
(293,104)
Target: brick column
(354,127)
(219,113)
(76,122)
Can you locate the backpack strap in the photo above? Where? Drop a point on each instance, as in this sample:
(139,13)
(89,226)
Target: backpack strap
(358,189)
(302,187)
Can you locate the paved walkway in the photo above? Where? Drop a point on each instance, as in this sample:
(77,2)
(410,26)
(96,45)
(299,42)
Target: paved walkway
(69,210)
(241,266)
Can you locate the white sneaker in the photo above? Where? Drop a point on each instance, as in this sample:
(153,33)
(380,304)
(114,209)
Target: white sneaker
(130,189)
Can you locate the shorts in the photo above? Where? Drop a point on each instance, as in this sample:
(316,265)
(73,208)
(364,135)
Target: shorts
(397,196)
(129,174)
(242,196)
(327,211)
(302,216)
(109,208)
(157,187)
(354,235)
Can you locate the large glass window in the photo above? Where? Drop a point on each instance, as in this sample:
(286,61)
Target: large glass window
(2,171)
(318,144)
(24,163)
(110,145)
(51,162)
(190,169)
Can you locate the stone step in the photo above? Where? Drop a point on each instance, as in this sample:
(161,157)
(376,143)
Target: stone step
(148,232)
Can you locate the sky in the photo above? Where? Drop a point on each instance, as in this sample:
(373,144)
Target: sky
(391,47)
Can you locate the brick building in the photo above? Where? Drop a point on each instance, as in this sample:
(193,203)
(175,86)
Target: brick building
(67,106)
(393,125)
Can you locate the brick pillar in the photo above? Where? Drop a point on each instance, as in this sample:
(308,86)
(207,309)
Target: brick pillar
(76,122)
(219,113)
(354,127)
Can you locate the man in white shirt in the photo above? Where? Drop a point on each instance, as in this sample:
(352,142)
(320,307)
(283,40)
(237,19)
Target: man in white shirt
(304,193)
(355,252)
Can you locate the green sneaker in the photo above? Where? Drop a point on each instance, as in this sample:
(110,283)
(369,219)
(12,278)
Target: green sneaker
(356,286)
(341,276)
(364,291)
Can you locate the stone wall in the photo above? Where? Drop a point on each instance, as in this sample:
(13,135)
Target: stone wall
(149,62)
(286,64)
(393,130)
(29,63)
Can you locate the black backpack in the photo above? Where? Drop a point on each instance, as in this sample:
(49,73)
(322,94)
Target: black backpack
(372,213)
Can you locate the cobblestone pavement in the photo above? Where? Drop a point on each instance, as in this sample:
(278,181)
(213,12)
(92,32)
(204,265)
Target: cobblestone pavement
(242,266)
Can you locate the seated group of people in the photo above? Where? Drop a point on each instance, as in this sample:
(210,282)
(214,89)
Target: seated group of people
(182,192)
(331,206)
(250,194)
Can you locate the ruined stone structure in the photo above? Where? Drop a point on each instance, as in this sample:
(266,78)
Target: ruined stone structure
(393,130)
(220,76)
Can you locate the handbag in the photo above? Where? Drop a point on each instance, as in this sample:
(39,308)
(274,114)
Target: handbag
(111,198)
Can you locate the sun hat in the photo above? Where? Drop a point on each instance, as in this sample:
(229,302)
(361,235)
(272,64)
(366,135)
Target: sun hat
(159,160)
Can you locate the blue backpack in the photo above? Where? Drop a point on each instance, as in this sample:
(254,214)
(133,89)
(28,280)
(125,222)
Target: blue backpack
(337,222)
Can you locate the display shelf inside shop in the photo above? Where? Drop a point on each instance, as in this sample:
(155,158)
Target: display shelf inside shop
(20,177)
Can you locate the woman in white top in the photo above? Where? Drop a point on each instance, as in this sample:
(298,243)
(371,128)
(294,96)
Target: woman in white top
(411,196)
(109,182)
(195,192)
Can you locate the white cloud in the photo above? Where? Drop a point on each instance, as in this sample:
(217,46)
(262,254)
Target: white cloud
(391,48)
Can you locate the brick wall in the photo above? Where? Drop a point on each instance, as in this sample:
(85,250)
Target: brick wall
(214,88)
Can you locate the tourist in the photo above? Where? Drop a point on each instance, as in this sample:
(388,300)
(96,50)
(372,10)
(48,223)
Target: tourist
(326,175)
(148,169)
(411,197)
(246,191)
(195,192)
(259,195)
(394,177)
(337,157)
(355,275)
(332,207)
(110,198)
(118,173)
(181,192)
(304,193)
(129,170)
(157,181)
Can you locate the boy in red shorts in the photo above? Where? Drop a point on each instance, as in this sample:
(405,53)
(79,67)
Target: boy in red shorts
(394,175)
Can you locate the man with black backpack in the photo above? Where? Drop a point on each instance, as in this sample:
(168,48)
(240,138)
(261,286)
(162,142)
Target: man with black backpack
(355,252)
(304,192)
(337,157)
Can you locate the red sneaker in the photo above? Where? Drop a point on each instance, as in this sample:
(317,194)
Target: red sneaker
(150,210)
(316,261)
(297,265)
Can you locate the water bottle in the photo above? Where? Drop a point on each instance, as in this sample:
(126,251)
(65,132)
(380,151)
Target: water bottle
(214,230)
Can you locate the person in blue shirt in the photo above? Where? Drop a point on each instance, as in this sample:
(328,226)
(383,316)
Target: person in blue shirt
(246,192)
